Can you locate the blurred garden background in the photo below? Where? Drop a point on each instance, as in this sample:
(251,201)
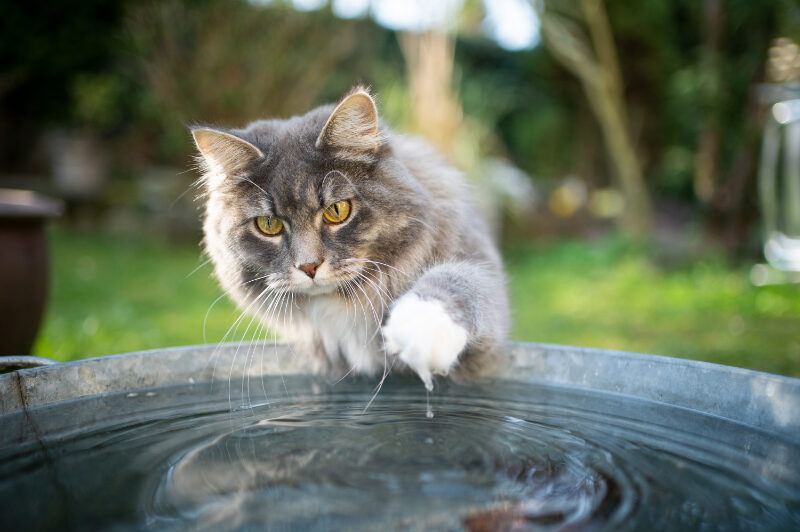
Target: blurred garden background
(616,147)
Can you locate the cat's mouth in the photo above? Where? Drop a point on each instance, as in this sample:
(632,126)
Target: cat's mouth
(325,282)
(318,289)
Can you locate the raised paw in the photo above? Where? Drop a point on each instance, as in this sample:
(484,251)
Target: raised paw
(424,336)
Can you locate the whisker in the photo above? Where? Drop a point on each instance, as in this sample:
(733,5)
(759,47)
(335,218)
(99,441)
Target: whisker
(194,185)
(357,293)
(376,282)
(356,259)
(235,330)
(225,293)
(351,291)
(198,268)
(364,273)
(349,371)
(269,319)
(353,300)
(245,375)
(380,384)
(284,326)
(261,365)
(423,223)
(260,330)
(386,369)
(235,324)
(374,312)
(246,180)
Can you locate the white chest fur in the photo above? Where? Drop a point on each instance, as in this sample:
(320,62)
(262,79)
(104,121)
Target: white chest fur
(345,332)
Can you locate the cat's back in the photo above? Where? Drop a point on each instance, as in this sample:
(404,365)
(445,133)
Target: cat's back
(460,229)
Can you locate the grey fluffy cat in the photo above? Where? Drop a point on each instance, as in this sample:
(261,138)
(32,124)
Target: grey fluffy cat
(357,245)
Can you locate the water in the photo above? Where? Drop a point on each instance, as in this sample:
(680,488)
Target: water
(494,455)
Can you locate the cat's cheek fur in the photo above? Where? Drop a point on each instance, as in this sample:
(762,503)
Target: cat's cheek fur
(424,336)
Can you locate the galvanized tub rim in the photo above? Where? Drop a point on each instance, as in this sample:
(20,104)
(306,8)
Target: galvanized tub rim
(762,400)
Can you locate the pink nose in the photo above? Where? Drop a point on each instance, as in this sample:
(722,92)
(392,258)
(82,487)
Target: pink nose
(310,268)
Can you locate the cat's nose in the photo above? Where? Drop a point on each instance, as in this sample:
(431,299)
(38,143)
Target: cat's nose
(310,268)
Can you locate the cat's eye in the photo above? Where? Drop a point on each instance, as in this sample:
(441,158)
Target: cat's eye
(269,225)
(337,212)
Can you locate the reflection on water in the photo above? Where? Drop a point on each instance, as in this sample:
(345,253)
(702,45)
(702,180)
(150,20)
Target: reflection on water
(496,456)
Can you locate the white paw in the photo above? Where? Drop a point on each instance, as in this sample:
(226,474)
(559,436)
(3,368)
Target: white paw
(424,336)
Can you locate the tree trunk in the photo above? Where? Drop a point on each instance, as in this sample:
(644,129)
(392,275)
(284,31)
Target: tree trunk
(593,60)
(706,167)
(435,108)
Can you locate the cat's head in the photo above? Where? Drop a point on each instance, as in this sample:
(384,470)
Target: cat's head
(308,204)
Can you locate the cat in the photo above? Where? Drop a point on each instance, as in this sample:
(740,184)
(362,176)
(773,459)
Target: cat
(358,245)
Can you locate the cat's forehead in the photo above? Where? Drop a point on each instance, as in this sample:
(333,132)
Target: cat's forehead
(285,183)
(297,175)
(294,176)
(279,136)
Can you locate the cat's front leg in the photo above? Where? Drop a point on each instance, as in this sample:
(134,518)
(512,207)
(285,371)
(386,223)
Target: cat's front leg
(453,310)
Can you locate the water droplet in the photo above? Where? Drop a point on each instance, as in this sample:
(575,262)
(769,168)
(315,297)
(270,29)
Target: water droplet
(428,411)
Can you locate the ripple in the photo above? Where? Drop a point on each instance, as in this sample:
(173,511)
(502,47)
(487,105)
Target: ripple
(495,456)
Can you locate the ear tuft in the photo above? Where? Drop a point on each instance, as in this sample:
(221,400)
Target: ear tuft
(352,129)
(224,154)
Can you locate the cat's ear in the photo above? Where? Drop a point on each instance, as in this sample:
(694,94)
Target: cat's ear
(224,154)
(352,129)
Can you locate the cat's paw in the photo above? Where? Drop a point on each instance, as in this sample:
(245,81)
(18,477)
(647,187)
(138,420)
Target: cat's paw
(424,336)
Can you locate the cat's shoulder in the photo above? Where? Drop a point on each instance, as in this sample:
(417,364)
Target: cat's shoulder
(430,168)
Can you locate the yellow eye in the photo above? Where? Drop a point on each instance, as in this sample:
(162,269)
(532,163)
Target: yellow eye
(337,212)
(269,225)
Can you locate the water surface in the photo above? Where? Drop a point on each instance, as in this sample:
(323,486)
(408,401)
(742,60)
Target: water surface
(299,454)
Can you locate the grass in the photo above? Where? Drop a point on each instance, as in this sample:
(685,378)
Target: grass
(610,295)
(113,294)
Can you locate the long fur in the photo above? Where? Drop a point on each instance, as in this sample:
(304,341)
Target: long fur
(412,230)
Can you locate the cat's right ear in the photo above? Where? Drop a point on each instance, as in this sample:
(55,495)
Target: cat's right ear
(224,155)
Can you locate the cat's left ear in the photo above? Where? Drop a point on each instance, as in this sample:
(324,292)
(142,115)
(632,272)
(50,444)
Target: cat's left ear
(224,154)
(352,130)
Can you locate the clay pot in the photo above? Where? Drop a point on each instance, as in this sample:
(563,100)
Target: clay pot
(23,267)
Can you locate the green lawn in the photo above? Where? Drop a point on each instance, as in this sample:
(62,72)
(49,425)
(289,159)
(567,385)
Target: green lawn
(610,295)
(113,294)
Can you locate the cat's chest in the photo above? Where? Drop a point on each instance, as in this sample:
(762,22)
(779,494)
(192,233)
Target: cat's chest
(347,332)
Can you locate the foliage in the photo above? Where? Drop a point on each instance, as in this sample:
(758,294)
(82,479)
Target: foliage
(44,48)
(262,62)
(139,72)
(115,294)
(692,102)
(609,294)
